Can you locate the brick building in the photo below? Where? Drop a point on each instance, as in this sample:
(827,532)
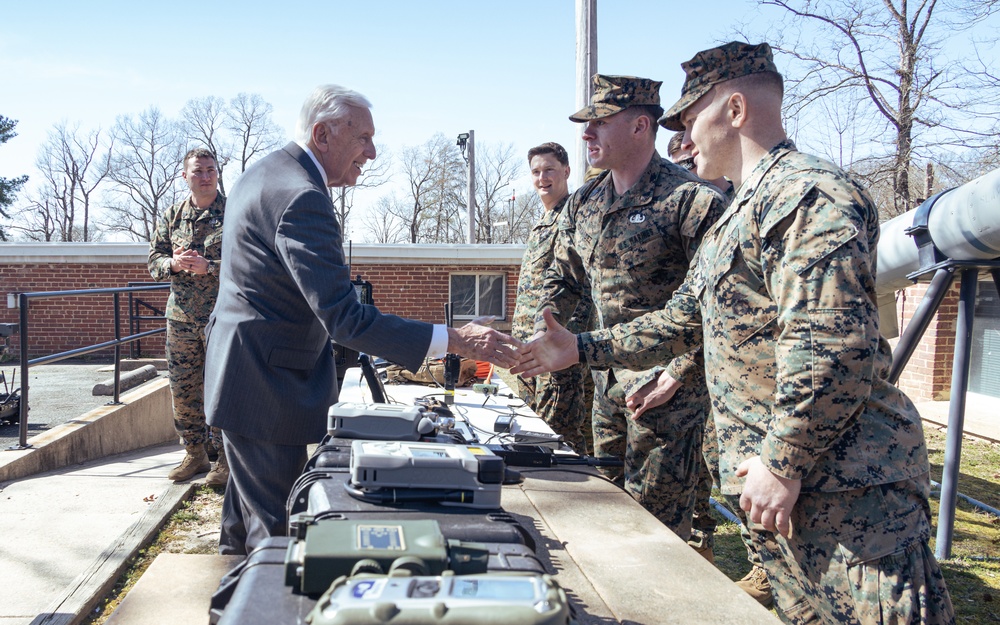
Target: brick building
(410,280)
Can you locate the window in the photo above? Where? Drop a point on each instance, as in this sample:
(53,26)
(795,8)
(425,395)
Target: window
(477,294)
(984,371)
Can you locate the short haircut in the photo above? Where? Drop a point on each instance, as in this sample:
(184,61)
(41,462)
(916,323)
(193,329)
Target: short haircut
(199,153)
(552,148)
(766,81)
(327,103)
(674,145)
(652,111)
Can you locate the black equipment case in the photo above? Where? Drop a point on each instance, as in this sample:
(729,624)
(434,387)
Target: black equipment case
(255,592)
(320,494)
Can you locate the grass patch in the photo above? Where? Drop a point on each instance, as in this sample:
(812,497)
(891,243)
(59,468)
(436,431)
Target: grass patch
(973,570)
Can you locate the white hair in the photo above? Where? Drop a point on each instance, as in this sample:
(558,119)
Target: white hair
(327,103)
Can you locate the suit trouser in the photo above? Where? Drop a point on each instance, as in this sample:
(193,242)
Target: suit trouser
(857,556)
(261,475)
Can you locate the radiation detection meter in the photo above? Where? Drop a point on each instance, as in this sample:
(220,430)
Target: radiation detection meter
(413,466)
(443,600)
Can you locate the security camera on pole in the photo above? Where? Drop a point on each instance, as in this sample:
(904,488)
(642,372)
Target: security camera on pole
(467,143)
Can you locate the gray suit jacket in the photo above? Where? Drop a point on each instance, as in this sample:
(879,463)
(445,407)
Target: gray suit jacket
(284,291)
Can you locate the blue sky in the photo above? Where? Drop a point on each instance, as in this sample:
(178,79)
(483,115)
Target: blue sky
(504,69)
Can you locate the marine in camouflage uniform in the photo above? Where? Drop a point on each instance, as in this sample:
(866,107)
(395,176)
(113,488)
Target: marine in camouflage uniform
(187,227)
(558,397)
(624,254)
(755,582)
(704,524)
(782,299)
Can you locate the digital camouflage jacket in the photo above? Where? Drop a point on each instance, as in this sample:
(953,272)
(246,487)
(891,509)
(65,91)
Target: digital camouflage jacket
(625,255)
(537,258)
(192,296)
(782,297)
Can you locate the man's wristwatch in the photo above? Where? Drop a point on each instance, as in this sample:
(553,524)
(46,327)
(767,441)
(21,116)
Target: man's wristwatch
(212,267)
(579,348)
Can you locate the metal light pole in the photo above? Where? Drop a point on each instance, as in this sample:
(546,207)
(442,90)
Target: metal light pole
(467,143)
(586,67)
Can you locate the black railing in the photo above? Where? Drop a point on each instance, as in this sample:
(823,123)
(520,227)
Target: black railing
(136,307)
(24,300)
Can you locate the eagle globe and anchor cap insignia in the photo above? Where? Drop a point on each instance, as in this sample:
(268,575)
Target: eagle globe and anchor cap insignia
(637,218)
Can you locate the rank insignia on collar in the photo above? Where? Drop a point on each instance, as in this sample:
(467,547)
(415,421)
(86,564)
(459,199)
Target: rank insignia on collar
(214,222)
(636,218)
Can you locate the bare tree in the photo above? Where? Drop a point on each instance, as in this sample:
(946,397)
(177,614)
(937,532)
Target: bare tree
(520,213)
(381,222)
(965,167)
(496,170)
(434,175)
(891,55)
(204,123)
(251,125)
(37,219)
(375,175)
(448,194)
(73,165)
(417,167)
(146,166)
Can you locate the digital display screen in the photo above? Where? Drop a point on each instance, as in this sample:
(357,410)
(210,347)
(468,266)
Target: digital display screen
(381,537)
(429,453)
(509,589)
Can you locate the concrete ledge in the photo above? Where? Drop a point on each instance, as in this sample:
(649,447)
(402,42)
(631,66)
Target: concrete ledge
(131,364)
(144,418)
(126,381)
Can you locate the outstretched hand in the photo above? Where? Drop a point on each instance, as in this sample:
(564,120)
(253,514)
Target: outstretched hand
(476,341)
(767,498)
(554,350)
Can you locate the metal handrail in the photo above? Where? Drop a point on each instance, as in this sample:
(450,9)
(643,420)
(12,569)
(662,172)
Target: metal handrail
(117,342)
(135,319)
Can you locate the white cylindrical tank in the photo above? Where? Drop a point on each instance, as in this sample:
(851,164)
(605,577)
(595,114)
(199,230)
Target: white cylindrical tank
(964,225)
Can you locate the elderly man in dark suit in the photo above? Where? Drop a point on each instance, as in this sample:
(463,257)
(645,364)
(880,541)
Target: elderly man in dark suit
(285,291)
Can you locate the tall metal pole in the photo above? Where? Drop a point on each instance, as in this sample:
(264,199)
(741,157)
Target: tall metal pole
(956,411)
(472,187)
(22,430)
(586,67)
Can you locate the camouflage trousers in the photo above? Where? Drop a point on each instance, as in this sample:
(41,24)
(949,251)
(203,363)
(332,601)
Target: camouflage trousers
(560,399)
(186,371)
(858,556)
(662,450)
(703,524)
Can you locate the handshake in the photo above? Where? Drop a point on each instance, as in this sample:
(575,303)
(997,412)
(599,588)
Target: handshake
(551,350)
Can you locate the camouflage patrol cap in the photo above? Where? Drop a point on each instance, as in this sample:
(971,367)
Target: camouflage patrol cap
(710,67)
(613,94)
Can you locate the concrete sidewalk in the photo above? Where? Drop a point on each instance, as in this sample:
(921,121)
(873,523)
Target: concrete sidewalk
(81,501)
(982,416)
(67,534)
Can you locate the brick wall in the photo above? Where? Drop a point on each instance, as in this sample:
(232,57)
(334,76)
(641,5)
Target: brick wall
(65,323)
(411,282)
(421,291)
(928,373)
